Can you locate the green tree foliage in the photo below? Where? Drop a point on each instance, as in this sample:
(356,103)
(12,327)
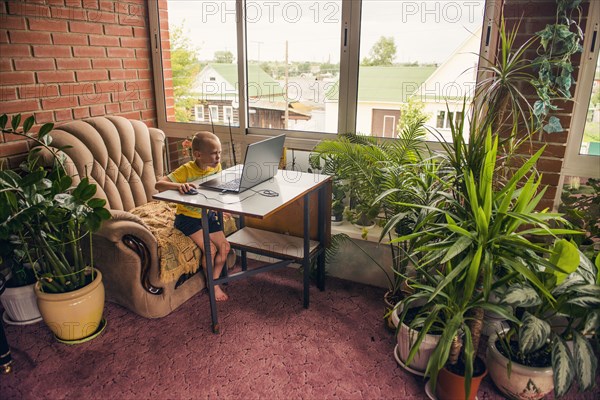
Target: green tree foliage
(383,52)
(185,67)
(411,113)
(223,57)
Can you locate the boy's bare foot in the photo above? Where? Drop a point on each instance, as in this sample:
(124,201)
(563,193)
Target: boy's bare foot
(220,295)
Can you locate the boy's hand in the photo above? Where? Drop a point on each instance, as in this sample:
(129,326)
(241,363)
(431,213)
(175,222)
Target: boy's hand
(185,187)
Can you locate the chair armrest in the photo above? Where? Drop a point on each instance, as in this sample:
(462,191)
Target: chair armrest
(124,223)
(129,229)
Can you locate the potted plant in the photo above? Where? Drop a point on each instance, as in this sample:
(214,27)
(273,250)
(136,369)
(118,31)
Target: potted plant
(364,164)
(550,344)
(480,239)
(338,186)
(50,220)
(18,298)
(338,196)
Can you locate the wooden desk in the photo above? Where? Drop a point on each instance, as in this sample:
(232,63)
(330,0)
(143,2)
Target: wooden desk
(295,226)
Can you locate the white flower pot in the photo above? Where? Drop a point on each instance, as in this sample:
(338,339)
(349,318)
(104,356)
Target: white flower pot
(405,338)
(526,383)
(20,305)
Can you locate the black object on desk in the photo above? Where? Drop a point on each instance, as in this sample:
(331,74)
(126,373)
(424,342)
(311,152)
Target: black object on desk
(5,357)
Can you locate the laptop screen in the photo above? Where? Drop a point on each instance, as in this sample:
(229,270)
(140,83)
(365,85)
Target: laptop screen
(261,161)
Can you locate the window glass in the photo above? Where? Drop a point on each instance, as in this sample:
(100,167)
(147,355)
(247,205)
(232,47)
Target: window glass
(419,51)
(441,116)
(199,43)
(293,58)
(199,113)
(214,113)
(396,58)
(590,143)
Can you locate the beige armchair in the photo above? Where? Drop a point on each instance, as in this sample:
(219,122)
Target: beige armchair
(125,158)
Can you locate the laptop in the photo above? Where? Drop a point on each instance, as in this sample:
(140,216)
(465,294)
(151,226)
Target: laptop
(261,163)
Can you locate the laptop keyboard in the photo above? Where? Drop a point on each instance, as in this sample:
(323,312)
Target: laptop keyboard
(231,185)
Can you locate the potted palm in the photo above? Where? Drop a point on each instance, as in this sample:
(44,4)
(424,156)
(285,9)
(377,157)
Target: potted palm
(364,164)
(550,345)
(50,220)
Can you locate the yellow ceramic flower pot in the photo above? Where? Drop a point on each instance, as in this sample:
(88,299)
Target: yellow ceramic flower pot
(73,315)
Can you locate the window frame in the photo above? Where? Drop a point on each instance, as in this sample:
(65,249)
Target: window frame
(576,164)
(348,78)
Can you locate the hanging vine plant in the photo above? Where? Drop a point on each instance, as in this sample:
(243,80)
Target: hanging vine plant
(558,43)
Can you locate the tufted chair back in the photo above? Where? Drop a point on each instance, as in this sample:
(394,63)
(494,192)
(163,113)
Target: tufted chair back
(123,157)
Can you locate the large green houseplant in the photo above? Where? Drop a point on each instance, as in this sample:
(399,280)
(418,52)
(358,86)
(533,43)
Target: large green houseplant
(480,244)
(552,332)
(48,219)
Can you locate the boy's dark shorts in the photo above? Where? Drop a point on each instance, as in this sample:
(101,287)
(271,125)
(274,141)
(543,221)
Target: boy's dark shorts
(191,225)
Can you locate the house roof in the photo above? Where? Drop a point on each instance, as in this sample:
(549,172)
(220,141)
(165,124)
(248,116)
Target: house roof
(388,84)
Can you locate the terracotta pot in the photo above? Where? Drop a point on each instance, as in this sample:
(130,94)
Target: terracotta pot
(73,315)
(524,382)
(20,305)
(451,386)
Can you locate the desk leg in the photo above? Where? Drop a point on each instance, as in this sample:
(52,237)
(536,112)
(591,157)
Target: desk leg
(209,272)
(322,218)
(244,252)
(306,260)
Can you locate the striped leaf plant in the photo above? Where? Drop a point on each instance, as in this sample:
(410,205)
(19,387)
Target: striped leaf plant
(571,315)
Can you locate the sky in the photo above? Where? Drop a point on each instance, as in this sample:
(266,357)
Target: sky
(427,31)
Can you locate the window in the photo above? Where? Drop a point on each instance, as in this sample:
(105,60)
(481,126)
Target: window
(441,117)
(227,114)
(582,155)
(315,67)
(582,160)
(199,113)
(214,113)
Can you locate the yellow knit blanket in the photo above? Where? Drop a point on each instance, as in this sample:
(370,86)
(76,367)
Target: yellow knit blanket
(178,253)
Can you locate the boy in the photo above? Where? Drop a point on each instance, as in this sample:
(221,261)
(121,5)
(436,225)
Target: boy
(206,150)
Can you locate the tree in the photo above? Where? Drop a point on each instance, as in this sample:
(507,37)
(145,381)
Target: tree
(383,52)
(185,68)
(411,112)
(223,57)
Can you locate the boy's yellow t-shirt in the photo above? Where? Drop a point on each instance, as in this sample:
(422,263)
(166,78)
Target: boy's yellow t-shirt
(189,172)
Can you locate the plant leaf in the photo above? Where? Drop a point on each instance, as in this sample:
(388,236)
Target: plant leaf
(585,361)
(562,365)
(521,295)
(533,334)
(592,322)
(553,125)
(565,256)
(461,244)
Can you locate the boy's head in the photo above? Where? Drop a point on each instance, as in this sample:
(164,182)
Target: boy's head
(206,148)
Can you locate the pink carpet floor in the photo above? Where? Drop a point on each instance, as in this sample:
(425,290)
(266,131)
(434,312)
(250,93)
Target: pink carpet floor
(270,347)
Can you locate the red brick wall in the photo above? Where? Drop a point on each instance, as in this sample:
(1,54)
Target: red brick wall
(533,16)
(68,59)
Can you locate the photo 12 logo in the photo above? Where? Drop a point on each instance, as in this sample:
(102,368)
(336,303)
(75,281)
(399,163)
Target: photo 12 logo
(274,11)
(442,11)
